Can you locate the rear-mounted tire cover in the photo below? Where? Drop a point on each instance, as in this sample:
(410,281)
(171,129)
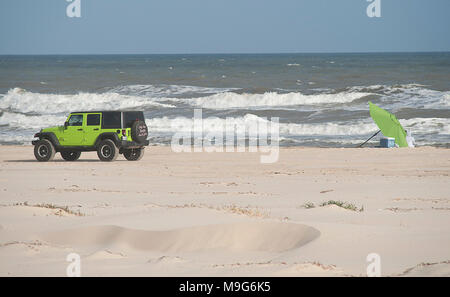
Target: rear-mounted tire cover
(139,131)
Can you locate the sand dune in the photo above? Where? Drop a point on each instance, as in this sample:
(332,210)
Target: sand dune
(252,236)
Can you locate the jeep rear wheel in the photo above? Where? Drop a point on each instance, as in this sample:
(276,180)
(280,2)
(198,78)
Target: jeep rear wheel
(133,154)
(70,156)
(44,150)
(107,150)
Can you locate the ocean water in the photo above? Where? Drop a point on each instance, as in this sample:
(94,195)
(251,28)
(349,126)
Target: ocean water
(320,99)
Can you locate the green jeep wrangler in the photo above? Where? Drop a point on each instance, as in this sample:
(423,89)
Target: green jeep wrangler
(108,132)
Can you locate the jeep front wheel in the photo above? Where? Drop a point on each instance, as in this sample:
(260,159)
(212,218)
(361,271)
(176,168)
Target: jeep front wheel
(133,154)
(44,150)
(70,156)
(107,150)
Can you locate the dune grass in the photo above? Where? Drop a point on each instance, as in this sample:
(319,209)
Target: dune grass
(342,204)
(308,205)
(60,209)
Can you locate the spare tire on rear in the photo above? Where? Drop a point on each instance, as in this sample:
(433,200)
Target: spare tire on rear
(139,131)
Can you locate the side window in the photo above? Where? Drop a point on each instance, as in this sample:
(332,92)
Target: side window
(76,120)
(111,120)
(93,119)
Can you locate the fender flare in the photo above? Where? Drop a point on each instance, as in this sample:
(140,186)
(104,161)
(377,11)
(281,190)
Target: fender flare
(108,135)
(49,136)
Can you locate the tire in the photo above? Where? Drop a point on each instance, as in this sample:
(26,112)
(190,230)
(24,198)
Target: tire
(133,154)
(107,150)
(70,156)
(44,150)
(139,131)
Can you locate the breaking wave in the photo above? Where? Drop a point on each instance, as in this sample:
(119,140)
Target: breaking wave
(22,101)
(23,112)
(407,95)
(214,124)
(21,121)
(271,99)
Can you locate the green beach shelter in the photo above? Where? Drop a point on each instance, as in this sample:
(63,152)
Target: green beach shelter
(388,124)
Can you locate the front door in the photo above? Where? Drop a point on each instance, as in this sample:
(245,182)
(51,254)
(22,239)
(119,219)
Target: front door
(92,128)
(74,134)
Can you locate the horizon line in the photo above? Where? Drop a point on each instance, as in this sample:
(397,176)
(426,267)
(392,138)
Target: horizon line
(231,53)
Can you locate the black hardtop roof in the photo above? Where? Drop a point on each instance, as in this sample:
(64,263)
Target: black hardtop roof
(102,111)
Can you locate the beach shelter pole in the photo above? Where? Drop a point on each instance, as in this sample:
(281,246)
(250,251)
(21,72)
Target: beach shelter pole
(369,139)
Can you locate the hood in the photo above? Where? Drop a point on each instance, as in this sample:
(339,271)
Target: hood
(52,129)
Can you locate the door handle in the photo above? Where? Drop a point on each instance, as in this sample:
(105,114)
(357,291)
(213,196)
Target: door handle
(96,129)
(80,129)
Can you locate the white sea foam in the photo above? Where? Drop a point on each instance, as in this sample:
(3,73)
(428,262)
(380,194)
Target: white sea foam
(364,127)
(271,99)
(16,138)
(21,121)
(427,126)
(408,95)
(210,124)
(22,127)
(19,100)
(445,101)
(416,125)
(418,97)
(25,112)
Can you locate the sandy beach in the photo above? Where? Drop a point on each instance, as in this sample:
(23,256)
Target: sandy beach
(226,214)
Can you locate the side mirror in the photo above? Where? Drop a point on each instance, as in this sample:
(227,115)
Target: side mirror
(66,124)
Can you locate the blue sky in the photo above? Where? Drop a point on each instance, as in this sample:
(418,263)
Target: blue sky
(222,26)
